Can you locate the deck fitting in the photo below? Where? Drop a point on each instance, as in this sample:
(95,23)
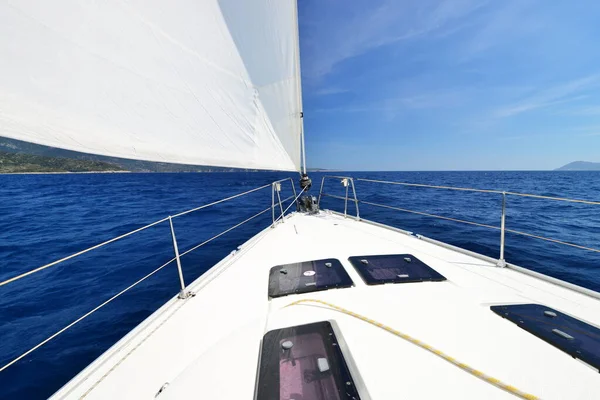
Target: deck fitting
(184,294)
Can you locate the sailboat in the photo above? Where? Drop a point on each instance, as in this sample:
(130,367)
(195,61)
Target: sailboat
(318,305)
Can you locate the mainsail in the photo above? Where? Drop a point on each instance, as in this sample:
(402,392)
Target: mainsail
(209,82)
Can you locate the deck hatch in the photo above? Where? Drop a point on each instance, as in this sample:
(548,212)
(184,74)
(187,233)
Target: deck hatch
(304,362)
(307,276)
(394,268)
(571,335)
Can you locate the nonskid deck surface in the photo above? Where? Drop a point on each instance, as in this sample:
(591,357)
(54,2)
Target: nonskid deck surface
(208,346)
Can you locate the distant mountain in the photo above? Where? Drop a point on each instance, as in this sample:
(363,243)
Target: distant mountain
(319,170)
(18,146)
(580,166)
(11,163)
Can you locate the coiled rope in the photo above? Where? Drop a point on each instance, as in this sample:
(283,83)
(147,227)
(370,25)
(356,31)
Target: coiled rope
(494,381)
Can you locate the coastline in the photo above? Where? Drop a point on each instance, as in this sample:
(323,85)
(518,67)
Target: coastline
(64,172)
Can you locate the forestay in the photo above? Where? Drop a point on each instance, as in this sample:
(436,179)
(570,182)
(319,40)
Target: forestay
(211,82)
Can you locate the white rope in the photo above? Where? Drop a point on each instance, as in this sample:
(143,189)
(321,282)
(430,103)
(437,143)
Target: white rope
(553,240)
(430,186)
(536,196)
(85,315)
(220,201)
(431,215)
(481,225)
(291,204)
(43,267)
(228,230)
(129,288)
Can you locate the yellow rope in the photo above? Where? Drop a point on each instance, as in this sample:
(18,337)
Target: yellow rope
(465,367)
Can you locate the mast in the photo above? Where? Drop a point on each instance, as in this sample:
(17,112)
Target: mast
(299,89)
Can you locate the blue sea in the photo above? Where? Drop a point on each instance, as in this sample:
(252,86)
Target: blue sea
(46,217)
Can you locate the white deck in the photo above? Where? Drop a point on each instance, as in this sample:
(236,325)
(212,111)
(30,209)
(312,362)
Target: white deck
(208,346)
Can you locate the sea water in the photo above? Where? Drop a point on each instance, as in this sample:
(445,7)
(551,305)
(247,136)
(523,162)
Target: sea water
(47,217)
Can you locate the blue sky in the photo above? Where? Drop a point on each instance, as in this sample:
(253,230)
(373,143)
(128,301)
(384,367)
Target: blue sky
(450,85)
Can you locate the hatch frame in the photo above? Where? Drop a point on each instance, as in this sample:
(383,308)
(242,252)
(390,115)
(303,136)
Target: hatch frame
(566,332)
(307,283)
(340,348)
(424,273)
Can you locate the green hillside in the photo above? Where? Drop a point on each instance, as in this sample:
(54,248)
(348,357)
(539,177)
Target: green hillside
(18,146)
(19,162)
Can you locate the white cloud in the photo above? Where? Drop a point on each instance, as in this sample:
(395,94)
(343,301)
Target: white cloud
(328,91)
(393,106)
(565,92)
(507,22)
(586,111)
(378,25)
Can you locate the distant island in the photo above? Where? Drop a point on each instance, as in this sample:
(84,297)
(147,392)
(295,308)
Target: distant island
(580,166)
(12,163)
(319,170)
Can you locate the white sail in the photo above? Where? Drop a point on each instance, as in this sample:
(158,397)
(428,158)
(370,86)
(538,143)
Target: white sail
(204,82)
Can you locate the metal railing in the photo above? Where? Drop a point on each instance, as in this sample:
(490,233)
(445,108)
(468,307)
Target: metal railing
(502,228)
(346,182)
(183,292)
